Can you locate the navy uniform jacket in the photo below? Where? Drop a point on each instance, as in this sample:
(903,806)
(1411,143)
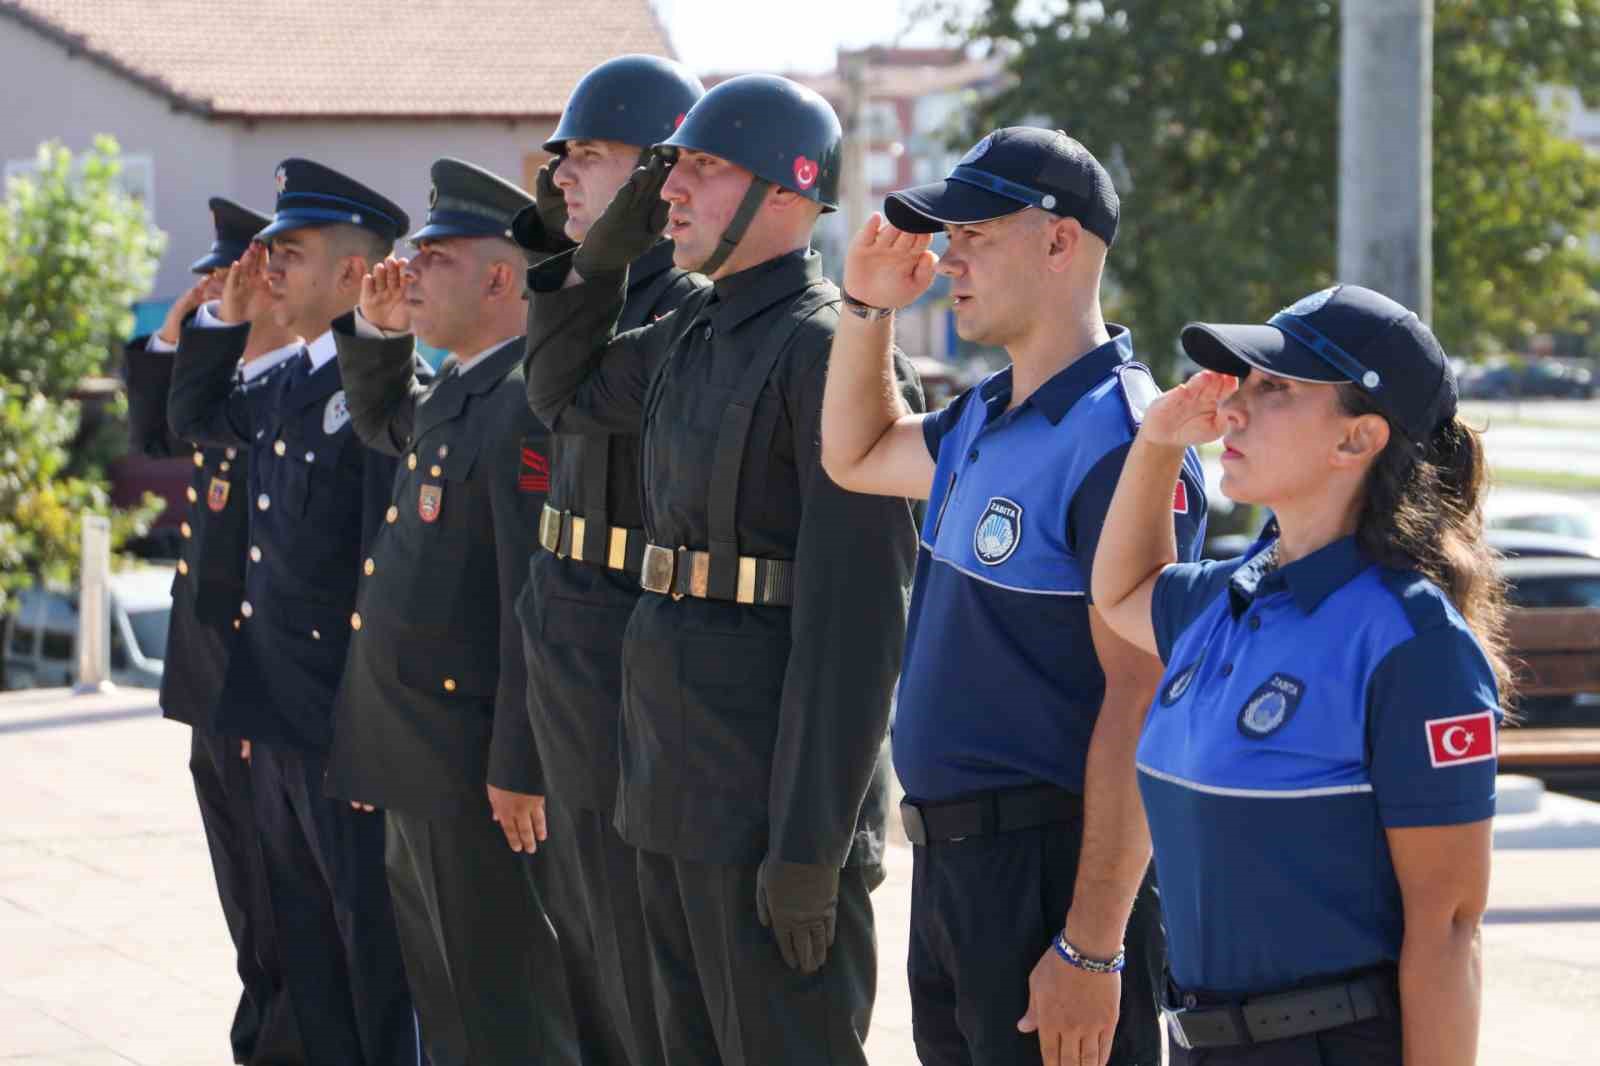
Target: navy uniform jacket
(746,730)
(433,700)
(574,612)
(210,578)
(317,496)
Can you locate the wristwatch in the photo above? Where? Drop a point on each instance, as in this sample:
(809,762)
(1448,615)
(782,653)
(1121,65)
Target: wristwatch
(866,311)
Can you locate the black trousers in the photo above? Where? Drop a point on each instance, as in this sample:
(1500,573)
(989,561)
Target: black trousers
(983,910)
(263,1029)
(723,992)
(594,902)
(331,911)
(483,960)
(1369,1043)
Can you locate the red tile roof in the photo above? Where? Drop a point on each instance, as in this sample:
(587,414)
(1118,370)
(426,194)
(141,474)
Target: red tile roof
(352,58)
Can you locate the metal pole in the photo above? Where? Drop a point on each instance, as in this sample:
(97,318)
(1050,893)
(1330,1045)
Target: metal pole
(94,608)
(1386,149)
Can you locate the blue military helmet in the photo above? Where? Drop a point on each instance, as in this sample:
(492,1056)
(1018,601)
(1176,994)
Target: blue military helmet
(310,194)
(635,99)
(236,226)
(1342,333)
(782,132)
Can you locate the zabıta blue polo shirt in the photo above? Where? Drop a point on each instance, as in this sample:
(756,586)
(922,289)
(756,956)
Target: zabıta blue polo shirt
(1000,685)
(1305,711)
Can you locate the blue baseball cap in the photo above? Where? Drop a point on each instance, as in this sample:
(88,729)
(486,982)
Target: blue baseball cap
(1011,169)
(1342,333)
(310,194)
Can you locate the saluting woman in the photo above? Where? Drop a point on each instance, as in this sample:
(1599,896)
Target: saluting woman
(1318,765)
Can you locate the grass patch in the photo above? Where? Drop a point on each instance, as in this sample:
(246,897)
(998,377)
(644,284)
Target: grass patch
(1555,480)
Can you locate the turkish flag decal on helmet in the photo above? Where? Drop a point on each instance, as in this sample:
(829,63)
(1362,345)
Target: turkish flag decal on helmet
(1462,739)
(805,172)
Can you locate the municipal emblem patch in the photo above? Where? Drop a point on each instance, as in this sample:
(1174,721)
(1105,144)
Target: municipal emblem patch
(1270,706)
(429,502)
(335,414)
(1308,305)
(977,151)
(999,531)
(217,494)
(1173,690)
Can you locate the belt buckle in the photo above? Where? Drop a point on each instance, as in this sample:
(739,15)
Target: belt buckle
(655,575)
(578,531)
(617,549)
(699,572)
(1174,1018)
(911,820)
(550,528)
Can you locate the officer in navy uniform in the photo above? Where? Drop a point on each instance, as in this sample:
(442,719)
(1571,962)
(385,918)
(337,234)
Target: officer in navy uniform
(318,496)
(757,671)
(1318,767)
(431,722)
(582,586)
(205,599)
(1014,718)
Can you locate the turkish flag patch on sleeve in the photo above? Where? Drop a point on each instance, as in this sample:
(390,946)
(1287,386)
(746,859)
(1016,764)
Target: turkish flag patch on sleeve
(534,473)
(1462,739)
(1180,497)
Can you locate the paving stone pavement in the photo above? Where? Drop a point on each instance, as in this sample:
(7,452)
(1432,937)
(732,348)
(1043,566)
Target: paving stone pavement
(113,950)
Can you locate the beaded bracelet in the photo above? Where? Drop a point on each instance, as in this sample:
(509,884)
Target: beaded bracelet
(1074,957)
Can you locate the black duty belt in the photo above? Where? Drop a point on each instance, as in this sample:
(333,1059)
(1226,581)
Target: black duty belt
(564,533)
(684,572)
(1002,811)
(1282,1015)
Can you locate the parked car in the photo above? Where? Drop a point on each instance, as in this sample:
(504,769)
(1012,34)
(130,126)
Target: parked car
(1535,378)
(41,635)
(1542,512)
(1520,543)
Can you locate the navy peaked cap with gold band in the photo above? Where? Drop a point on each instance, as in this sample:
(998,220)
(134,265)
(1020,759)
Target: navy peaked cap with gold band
(468,201)
(236,227)
(310,194)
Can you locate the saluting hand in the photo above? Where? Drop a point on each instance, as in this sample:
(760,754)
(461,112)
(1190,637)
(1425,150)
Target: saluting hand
(1191,413)
(383,296)
(245,293)
(631,223)
(521,818)
(887,267)
(172,327)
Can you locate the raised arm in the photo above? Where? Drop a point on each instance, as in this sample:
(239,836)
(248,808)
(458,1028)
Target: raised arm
(204,407)
(377,360)
(1137,543)
(871,442)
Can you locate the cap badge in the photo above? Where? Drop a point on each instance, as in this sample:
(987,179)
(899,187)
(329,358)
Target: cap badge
(805,172)
(1308,305)
(281,179)
(977,151)
(433,196)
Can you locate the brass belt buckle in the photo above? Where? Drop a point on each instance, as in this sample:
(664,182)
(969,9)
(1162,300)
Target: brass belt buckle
(699,572)
(550,528)
(617,549)
(578,531)
(655,575)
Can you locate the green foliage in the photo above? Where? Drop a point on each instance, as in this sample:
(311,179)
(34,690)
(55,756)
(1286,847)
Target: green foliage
(1219,120)
(77,252)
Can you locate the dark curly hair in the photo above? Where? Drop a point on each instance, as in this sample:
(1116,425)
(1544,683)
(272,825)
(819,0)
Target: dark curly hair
(1423,511)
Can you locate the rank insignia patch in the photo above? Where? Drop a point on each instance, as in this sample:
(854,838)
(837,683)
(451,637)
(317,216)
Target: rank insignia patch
(217,494)
(429,502)
(534,473)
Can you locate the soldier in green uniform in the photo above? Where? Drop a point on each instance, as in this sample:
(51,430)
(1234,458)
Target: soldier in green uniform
(431,723)
(757,668)
(583,584)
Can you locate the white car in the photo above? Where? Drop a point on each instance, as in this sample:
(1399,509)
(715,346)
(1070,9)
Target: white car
(1542,512)
(41,635)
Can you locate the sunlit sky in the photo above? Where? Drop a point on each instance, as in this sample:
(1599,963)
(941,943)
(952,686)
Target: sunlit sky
(788,35)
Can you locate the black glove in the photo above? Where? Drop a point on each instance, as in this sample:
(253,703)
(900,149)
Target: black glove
(799,902)
(542,226)
(630,225)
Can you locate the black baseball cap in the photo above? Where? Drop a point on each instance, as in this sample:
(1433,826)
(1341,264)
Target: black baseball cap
(1343,333)
(310,194)
(1009,170)
(236,225)
(468,201)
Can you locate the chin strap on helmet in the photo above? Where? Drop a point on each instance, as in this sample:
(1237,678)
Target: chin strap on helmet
(736,226)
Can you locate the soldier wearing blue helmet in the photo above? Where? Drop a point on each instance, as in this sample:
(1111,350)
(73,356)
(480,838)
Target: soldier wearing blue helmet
(758,663)
(583,577)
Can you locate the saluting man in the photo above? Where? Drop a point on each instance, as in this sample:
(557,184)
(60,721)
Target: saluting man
(432,723)
(757,671)
(318,496)
(582,586)
(205,600)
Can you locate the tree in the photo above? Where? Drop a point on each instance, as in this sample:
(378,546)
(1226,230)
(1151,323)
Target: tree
(1219,121)
(75,252)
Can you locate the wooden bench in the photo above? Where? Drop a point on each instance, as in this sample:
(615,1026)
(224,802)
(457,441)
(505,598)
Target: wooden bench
(1557,651)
